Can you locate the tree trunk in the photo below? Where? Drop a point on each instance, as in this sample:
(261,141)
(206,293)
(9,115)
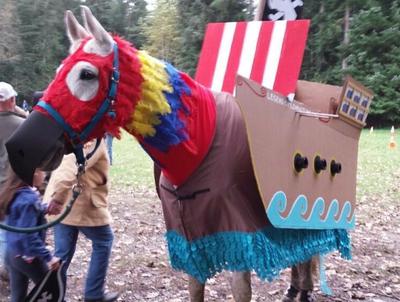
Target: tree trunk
(260,10)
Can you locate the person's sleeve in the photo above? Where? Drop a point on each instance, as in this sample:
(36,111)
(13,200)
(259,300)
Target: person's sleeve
(33,244)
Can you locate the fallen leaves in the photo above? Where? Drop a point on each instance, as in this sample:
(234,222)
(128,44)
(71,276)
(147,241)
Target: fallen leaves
(139,268)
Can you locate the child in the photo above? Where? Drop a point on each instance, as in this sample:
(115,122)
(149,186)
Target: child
(26,254)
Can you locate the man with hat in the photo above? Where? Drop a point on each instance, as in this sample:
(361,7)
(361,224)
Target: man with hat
(10,119)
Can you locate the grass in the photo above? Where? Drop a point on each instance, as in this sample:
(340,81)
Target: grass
(131,165)
(378,166)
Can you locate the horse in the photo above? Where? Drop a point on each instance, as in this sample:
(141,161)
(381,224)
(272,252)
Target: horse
(215,219)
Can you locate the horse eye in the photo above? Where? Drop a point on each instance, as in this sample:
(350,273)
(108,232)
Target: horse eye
(87,75)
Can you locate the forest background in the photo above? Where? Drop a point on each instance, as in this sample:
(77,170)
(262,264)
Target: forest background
(356,37)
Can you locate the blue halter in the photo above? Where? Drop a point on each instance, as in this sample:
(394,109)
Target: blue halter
(77,139)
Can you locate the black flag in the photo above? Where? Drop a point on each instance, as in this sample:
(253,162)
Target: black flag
(50,289)
(282,10)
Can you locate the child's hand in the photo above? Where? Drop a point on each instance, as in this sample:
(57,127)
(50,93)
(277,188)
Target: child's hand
(55,207)
(54,263)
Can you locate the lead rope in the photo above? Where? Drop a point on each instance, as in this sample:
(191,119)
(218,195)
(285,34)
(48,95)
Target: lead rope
(76,190)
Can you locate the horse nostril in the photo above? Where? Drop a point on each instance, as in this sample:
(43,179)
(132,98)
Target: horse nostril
(21,153)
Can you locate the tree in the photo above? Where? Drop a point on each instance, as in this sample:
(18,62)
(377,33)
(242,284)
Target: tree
(231,10)
(374,59)
(137,14)
(9,42)
(359,38)
(103,10)
(330,22)
(162,31)
(119,14)
(42,43)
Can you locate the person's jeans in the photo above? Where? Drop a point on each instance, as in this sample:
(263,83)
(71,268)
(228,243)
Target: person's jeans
(21,272)
(65,238)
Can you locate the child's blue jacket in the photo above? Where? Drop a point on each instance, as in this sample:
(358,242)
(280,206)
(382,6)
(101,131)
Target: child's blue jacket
(27,210)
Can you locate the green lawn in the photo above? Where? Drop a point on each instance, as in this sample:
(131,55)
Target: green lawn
(131,165)
(378,166)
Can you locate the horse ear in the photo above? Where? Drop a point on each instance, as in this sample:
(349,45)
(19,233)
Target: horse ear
(75,31)
(102,38)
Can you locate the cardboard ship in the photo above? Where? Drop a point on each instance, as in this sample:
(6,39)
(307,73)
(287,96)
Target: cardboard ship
(305,157)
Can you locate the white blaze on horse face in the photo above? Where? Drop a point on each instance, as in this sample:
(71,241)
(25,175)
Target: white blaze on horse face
(92,46)
(83,81)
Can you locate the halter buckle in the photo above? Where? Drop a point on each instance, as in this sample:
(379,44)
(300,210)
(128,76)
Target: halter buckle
(115,75)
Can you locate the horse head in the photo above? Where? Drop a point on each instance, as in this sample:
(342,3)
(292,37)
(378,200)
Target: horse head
(105,84)
(88,96)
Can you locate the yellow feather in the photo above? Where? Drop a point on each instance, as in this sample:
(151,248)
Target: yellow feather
(153,101)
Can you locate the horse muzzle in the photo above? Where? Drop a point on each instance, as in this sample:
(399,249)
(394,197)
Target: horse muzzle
(37,143)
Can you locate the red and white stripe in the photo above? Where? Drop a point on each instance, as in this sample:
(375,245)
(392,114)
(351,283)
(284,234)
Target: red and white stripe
(267,52)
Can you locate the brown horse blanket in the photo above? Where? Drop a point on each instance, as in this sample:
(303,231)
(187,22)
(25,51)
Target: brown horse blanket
(216,220)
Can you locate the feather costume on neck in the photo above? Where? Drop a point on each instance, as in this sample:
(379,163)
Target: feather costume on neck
(166,120)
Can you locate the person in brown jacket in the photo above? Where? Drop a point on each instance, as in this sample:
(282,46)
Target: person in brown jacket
(89,216)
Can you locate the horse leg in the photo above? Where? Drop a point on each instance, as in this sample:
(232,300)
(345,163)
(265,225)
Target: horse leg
(196,290)
(241,286)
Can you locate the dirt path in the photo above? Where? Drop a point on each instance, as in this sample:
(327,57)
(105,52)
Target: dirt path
(140,269)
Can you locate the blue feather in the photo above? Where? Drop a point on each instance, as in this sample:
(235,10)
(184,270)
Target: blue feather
(172,130)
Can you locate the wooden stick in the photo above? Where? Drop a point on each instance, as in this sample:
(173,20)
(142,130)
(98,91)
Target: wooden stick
(260,10)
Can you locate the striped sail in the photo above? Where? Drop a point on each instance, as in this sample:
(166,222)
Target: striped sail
(267,52)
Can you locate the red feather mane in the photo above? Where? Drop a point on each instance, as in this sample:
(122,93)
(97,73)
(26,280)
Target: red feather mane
(129,88)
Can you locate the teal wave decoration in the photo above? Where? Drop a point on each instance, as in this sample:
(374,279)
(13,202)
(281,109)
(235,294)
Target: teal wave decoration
(296,220)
